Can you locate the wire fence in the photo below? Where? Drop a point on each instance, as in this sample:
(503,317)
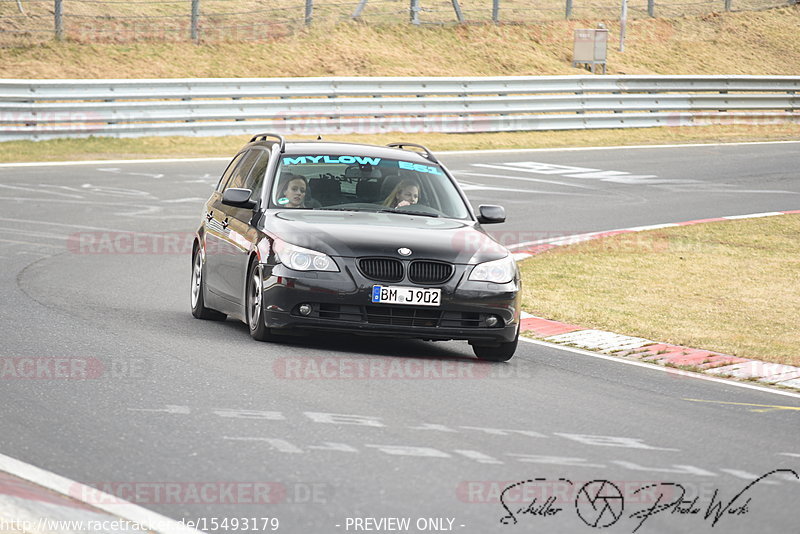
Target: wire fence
(89,21)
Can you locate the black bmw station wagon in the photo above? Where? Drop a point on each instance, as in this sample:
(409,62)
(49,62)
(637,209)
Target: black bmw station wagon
(353,238)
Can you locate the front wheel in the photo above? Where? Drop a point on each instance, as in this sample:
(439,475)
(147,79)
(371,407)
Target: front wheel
(199,309)
(498,353)
(254,303)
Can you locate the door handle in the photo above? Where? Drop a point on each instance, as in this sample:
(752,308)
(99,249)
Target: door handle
(209,216)
(225,223)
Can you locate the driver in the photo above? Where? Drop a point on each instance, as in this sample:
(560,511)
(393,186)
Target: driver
(405,193)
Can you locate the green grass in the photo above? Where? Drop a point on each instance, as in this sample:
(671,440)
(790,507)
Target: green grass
(729,287)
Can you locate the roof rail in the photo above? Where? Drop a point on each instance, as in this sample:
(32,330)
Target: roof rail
(264,136)
(428,154)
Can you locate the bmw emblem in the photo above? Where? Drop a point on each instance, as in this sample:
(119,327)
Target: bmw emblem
(404,251)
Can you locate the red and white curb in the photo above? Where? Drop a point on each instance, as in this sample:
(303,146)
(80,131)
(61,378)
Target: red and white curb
(645,350)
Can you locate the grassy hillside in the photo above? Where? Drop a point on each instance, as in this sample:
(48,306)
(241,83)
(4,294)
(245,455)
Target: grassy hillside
(759,42)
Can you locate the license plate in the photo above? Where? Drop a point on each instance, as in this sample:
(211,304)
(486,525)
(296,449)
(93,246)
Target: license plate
(406,295)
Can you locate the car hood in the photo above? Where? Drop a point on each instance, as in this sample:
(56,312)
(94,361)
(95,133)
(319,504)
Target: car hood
(357,234)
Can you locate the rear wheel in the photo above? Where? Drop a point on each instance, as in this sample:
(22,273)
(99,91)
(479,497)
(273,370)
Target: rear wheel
(254,303)
(498,353)
(199,309)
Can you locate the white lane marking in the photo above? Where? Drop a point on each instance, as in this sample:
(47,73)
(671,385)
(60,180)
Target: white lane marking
(791,454)
(653,367)
(618,147)
(478,456)
(110,162)
(553,460)
(182,200)
(344,419)
(467,186)
(755,215)
(744,475)
(333,446)
(525,179)
(408,450)
(652,227)
(676,469)
(80,226)
(280,445)
(17,231)
(118,191)
(12,241)
(100,500)
(34,190)
(612,441)
(249,414)
(170,408)
(585,173)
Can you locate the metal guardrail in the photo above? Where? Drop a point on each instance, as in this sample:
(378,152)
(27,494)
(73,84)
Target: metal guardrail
(45,109)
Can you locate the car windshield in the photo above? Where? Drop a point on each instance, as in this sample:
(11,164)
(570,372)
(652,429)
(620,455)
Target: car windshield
(361,183)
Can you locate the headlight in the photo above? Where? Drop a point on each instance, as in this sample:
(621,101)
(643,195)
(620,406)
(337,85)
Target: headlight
(303,259)
(498,271)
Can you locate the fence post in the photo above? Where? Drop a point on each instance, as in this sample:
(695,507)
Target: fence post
(495,11)
(309,11)
(728,5)
(651,8)
(568,13)
(414,11)
(59,19)
(195,19)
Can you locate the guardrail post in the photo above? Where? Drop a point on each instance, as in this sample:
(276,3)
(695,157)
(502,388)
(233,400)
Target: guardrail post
(359,8)
(195,20)
(457,9)
(651,8)
(309,11)
(59,19)
(568,9)
(495,11)
(414,11)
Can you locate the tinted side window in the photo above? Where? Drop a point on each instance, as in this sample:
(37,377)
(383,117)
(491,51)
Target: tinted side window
(227,174)
(255,180)
(242,170)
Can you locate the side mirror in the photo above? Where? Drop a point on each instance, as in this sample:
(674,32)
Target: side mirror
(488,214)
(238,198)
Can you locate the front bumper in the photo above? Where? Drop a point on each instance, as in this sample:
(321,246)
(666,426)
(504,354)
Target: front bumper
(342,302)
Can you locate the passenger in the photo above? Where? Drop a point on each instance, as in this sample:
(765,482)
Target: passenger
(292,191)
(405,193)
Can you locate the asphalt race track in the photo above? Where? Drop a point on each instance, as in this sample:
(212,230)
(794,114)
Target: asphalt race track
(334,429)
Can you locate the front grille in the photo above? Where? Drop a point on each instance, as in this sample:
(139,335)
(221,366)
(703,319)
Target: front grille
(430,272)
(381,269)
(396,316)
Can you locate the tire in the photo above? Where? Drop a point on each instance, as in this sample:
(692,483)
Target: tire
(499,353)
(199,309)
(254,308)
